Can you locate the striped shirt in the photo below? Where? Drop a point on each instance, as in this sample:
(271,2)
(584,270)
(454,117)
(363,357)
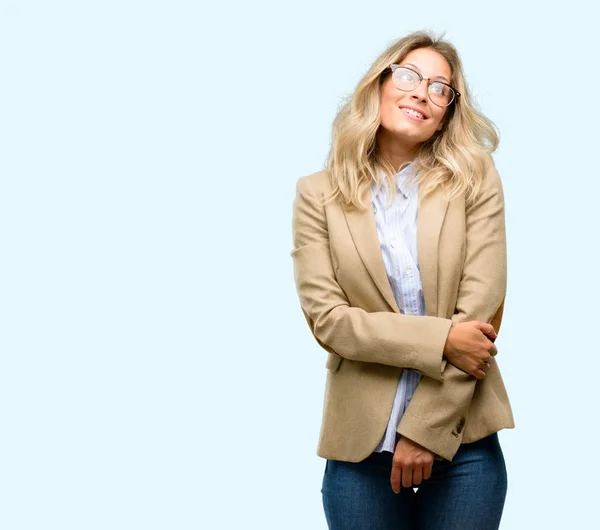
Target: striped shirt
(397,231)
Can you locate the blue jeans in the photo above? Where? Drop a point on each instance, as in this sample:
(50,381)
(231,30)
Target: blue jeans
(465,494)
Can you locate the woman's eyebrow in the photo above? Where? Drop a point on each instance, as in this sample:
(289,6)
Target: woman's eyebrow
(434,77)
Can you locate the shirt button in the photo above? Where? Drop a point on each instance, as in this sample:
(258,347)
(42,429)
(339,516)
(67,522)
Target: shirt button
(407,271)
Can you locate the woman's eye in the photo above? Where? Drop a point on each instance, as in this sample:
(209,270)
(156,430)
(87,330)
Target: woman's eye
(438,88)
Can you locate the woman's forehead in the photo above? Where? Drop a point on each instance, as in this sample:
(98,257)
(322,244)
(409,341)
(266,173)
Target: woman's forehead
(429,62)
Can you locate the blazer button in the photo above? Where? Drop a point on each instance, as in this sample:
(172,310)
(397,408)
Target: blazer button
(460,425)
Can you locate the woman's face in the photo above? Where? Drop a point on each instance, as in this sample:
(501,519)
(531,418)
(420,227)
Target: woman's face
(408,129)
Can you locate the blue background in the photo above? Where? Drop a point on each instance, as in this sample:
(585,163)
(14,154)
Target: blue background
(156,371)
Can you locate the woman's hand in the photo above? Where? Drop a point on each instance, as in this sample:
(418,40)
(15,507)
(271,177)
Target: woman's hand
(468,347)
(411,463)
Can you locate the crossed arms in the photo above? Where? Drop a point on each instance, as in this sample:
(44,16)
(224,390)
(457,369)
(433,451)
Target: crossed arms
(407,341)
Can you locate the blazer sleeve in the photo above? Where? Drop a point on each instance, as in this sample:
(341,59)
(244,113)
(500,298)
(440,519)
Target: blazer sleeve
(406,341)
(436,412)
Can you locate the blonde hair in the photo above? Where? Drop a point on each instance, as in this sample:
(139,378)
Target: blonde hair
(454,157)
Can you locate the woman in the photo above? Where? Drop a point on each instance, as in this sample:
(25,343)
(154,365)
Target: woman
(400,266)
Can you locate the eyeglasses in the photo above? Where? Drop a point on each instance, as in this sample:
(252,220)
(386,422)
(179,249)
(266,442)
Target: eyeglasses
(406,79)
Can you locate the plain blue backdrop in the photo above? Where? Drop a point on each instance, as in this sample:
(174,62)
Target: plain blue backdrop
(156,370)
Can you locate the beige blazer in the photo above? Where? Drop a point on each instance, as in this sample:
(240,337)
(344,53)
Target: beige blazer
(348,303)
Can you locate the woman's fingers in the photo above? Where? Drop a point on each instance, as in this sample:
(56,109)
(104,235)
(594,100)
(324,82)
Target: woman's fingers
(396,478)
(482,369)
(417,475)
(473,349)
(407,476)
(410,465)
(479,370)
(486,329)
(427,468)
(484,364)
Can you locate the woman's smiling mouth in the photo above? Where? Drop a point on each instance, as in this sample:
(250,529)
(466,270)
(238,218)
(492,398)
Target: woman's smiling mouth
(413,113)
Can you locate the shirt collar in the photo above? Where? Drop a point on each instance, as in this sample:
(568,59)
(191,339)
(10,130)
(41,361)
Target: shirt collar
(405,181)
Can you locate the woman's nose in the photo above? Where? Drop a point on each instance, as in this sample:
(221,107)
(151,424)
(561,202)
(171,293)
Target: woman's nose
(420,92)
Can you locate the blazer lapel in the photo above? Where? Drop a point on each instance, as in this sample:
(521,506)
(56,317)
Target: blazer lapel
(361,224)
(430,217)
(431,214)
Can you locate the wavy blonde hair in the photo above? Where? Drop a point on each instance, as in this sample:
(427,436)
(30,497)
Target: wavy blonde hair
(454,157)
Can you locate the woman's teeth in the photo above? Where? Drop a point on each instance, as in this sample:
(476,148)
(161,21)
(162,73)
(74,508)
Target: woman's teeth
(412,112)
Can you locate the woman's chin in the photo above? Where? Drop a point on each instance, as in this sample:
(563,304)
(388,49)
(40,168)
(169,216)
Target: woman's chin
(407,136)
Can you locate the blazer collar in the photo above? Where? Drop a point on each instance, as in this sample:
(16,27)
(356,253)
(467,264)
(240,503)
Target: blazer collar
(431,214)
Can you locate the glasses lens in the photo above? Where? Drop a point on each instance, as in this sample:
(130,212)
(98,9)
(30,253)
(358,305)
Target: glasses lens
(440,94)
(405,79)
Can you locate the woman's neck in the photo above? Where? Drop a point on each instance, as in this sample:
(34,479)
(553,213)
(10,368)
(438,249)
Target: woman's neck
(396,153)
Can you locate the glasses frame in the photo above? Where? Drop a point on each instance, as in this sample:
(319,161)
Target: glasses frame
(393,67)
